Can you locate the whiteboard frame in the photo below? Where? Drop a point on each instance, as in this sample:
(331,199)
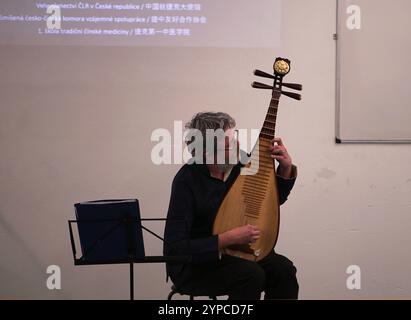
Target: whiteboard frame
(338,139)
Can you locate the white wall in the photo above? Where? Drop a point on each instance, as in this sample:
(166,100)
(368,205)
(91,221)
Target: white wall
(74,129)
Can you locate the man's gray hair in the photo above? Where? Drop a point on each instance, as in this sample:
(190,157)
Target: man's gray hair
(204,121)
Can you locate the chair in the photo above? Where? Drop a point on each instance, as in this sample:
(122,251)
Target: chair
(175,290)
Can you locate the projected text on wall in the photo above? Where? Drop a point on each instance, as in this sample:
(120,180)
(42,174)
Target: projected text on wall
(228,23)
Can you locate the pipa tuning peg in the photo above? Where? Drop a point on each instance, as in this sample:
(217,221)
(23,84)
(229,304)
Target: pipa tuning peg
(259,85)
(294,86)
(263,74)
(292,95)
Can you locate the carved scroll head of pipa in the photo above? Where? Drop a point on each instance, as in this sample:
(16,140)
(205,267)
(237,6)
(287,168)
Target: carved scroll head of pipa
(281,67)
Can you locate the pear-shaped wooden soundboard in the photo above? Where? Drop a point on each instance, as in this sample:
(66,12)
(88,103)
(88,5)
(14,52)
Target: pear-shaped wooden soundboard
(253,199)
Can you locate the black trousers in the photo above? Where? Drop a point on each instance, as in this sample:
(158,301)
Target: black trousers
(241,279)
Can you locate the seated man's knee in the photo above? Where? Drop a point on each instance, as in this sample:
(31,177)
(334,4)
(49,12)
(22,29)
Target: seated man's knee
(286,266)
(288,273)
(254,276)
(289,269)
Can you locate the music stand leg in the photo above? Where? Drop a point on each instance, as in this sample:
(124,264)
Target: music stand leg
(131,281)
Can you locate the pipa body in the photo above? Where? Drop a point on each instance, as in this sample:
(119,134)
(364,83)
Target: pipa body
(253,197)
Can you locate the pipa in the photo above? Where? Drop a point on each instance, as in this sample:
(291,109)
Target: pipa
(253,197)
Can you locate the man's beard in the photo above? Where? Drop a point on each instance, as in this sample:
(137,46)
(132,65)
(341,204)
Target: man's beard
(230,162)
(227,163)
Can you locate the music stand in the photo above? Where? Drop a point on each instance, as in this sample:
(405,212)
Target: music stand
(110,232)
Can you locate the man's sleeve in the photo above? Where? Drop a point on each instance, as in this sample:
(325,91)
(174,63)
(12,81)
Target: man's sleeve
(286,184)
(177,233)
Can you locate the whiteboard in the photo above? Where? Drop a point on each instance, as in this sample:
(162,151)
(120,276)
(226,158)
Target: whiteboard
(373,71)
